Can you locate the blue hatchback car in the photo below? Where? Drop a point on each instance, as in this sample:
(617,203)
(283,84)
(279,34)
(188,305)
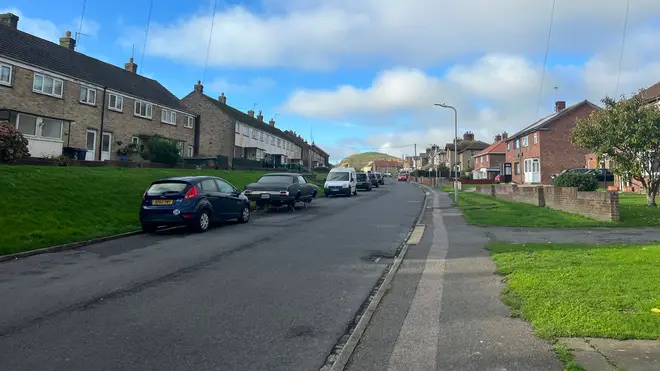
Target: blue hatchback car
(195,201)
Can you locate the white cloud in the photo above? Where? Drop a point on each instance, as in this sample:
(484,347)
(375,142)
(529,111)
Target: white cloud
(419,33)
(253,85)
(51,31)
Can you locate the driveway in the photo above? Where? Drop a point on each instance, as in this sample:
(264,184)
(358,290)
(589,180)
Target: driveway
(275,294)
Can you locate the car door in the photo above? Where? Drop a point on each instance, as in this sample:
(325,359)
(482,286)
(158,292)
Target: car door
(212,193)
(305,189)
(231,203)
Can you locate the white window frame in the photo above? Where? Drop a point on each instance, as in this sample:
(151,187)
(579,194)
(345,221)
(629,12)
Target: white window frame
(525,141)
(516,143)
(38,128)
(11,74)
(237,127)
(135,140)
(262,136)
(536,138)
(167,116)
(190,122)
(255,133)
(189,151)
(246,131)
(119,102)
(148,109)
(279,143)
(41,90)
(508,146)
(87,92)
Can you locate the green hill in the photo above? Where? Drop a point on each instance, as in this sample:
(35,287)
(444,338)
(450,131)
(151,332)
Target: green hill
(360,160)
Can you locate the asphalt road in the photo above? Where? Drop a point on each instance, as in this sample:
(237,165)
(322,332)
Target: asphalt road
(275,294)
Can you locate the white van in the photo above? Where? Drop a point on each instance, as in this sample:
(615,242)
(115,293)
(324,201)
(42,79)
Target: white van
(341,181)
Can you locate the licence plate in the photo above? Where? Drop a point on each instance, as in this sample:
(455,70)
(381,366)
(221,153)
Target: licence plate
(265,195)
(162,202)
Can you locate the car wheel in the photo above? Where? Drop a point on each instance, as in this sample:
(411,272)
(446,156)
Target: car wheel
(245,214)
(203,221)
(148,228)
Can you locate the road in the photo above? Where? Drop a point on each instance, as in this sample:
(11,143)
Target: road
(275,294)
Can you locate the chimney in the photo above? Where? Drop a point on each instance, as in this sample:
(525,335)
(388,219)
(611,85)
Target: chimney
(505,136)
(251,113)
(130,66)
(67,41)
(498,138)
(468,136)
(9,20)
(199,87)
(260,117)
(222,98)
(271,122)
(560,105)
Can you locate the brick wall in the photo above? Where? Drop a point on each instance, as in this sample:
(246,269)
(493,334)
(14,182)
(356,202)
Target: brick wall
(602,206)
(216,129)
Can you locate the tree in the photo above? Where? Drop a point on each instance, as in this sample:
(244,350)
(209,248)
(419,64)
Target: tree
(628,132)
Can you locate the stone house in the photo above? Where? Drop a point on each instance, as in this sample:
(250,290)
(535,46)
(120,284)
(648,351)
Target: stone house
(488,163)
(223,130)
(544,148)
(58,97)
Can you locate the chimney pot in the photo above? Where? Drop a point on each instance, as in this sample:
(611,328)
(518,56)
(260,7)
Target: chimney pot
(130,66)
(199,87)
(271,122)
(498,137)
(222,98)
(67,41)
(260,117)
(505,136)
(251,113)
(9,20)
(560,105)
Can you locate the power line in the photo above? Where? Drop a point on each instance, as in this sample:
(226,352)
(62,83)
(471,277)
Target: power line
(623,44)
(545,60)
(146,33)
(208,48)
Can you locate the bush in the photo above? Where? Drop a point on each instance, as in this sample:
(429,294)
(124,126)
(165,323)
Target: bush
(583,182)
(13,145)
(163,151)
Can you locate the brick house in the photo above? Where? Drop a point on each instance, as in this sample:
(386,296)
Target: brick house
(467,148)
(60,98)
(312,155)
(319,157)
(544,148)
(488,163)
(386,166)
(226,131)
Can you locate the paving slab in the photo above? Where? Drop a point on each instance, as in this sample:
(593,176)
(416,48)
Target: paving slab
(595,354)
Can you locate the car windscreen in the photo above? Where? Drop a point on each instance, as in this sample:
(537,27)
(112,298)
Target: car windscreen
(158,189)
(372,176)
(340,176)
(361,177)
(272,179)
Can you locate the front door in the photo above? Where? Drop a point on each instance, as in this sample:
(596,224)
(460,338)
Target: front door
(106,146)
(91,145)
(532,169)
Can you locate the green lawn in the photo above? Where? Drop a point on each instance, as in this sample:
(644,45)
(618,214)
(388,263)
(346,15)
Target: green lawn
(571,290)
(483,210)
(46,206)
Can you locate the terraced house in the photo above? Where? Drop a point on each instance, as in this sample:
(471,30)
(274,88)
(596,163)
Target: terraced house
(59,98)
(226,131)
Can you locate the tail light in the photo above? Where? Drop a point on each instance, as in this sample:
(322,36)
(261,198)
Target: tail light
(192,193)
(144,196)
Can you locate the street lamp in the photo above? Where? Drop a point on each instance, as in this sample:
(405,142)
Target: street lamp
(443,105)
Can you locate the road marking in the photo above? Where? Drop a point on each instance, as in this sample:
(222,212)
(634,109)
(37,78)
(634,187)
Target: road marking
(414,202)
(416,346)
(416,235)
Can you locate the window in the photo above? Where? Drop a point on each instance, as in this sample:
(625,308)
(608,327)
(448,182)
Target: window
(116,102)
(246,131)
(262,136)
(208,185)
(301,180)
(179,145)
(525,141)
(272,140)
(516,143)
(39,127)
(87,95)
(536,138)
(255,133)
(143,109)
(135,140)
(516,168)
(167,116)
(224,187)
(508,147)
(189,151)
(238,127)
(47,85)
(5,74)
(27,124)
(51,129)
(190,122)
(279,142)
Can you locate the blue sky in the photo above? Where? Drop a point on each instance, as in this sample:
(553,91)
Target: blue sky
(364,75)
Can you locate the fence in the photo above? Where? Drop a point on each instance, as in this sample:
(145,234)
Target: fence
(602,206)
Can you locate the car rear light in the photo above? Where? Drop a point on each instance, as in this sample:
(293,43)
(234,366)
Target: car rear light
(192,193)
(144,196)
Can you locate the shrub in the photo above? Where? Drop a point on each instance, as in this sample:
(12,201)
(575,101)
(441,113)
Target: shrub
(13,145)
(162,150)
(583,182)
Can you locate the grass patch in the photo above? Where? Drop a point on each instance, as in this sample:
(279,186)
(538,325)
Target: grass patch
(565,356)
(576,290)
(47,206)
(634,212)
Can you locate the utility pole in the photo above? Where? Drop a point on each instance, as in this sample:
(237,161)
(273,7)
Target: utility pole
(415,158)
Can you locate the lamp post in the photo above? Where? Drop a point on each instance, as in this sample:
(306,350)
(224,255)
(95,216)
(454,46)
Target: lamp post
(443,105)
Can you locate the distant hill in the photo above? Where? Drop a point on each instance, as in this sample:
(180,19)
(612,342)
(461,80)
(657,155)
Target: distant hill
(360,160)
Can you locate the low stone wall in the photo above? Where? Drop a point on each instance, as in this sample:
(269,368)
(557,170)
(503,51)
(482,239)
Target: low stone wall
(602,206)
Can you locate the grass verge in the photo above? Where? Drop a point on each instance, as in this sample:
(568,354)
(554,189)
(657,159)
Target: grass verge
(47,206)
(576,290)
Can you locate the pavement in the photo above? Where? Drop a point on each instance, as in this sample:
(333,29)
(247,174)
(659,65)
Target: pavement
(274,294)
(614,355)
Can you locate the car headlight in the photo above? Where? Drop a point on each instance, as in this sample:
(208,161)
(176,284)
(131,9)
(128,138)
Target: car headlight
(344,186)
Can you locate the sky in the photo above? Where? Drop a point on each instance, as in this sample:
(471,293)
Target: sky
(357,76)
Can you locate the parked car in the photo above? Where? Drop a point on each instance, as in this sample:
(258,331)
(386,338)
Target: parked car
(374,180)
(341,181)
(194,201)
(363,181)
(380,178)
(402,178)
(281,189)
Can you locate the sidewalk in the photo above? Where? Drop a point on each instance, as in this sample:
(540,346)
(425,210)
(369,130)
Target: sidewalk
(443,311)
